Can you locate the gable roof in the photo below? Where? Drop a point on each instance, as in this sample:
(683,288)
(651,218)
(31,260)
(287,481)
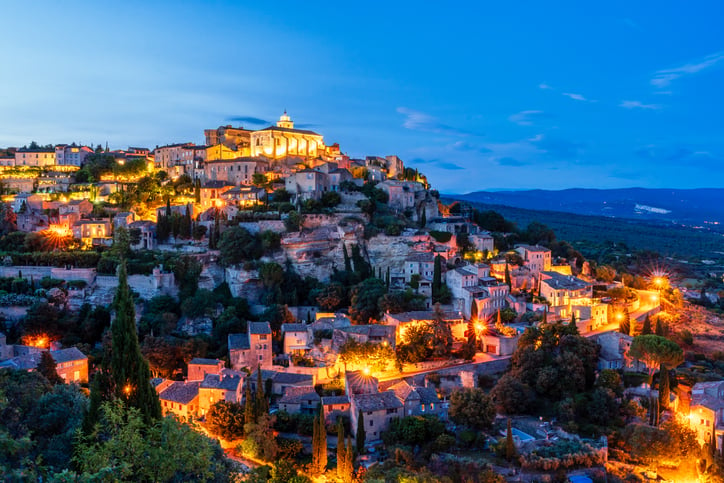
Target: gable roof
(294,328)
(289,130)
(205,362)
(67,355)
(181,392)
(299,394)
(226,382)
(238,342)
(259,328)
(376,402)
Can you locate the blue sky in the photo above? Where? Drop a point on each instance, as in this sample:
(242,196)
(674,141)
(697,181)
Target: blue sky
(478,95)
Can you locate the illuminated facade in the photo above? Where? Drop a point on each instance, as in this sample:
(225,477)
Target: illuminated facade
(282,140)
(35,157)
(72,155)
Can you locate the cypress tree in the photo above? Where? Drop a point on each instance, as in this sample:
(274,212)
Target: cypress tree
(130,375)
(387,278)
(319,442)
(646,329)
(47,367)
(660,329)
(349,461)
(249,411)
(544,320)
(509,445)
(168,208)
(573,325)
(347,261)
(664,387)
(507,277)
(341,450)
(262,407)
(186,223)
(361,437)
(197,191)
(437,278)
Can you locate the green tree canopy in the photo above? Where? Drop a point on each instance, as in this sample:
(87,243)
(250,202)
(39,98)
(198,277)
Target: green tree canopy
(472,407)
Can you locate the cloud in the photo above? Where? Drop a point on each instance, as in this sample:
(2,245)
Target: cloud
(419,121)
(544,86)
(678,155)
(665,77)
(437,163)
(249,120)
(575,97)
(528,118)
(639,105)
(508,161)
(447,165)
(464,146)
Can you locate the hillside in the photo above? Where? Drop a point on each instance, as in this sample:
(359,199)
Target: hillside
(699,208)
(587,232)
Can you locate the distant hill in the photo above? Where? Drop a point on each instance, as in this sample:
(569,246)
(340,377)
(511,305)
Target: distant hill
(692,207)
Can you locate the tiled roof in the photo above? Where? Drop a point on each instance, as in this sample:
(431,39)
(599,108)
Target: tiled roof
(427,395)
(259,328)
(181,392)
(294,327)
(205,362)
(377,401)
(568,282)
(327,400)
(290,378)
(289,130)
(420,257)
(215,381)
(67,355)
(216,184)
(533,248)
(359,383)
(299,394)
(238,342)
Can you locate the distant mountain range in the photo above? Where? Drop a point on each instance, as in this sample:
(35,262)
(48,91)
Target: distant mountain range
(702,207)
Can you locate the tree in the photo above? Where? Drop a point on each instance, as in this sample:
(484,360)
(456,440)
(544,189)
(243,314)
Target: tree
(365,301)
(237,244)
(261,405)
(319,442)
(472,407)
(249,411)
(361,436)
(226,420)
(507,277)
(646,329)
(47,367)
(130,374)
(124,448)
(436,278)
(331,297)
(664,387)
(341,450)
(509,444)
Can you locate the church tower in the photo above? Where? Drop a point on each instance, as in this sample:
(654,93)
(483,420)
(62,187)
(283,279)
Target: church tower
(285,121)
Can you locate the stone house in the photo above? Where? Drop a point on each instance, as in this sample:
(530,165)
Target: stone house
(335,406)
(71,363)
(180,398)
(377,410)
(225,386)
(417,400)
(295,338)
(300,400)
(253,348)
(535,257)
(199,367)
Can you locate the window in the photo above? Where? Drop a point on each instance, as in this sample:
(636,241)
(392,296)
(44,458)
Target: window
(261,357)
(372,423)
(262,337)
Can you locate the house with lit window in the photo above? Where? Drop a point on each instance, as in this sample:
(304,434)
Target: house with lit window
(212,193)
(180,398)
(377,410)
(706,413)
(70,364)
(334,406)
(418,400)
(295,338)
(225,386)
(93,232)
(244,196)
(306,184)
(252,348)
(535,257)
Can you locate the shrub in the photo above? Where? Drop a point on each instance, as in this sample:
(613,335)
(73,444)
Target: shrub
(441,236)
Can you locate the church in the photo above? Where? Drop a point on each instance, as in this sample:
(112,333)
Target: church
(283,140)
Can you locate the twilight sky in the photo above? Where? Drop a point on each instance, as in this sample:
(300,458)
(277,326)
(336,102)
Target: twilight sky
(478,95)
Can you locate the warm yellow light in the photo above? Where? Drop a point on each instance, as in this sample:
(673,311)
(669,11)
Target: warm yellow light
(127,389)
(41,341)
(619,316)
(479,327)
(219,203)
(366,371)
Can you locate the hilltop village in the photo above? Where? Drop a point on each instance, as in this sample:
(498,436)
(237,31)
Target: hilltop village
(331,318)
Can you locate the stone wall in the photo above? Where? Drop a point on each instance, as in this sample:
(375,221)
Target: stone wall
(85,274)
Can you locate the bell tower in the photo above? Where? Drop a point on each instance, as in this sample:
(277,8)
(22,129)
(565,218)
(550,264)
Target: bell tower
(285,121)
